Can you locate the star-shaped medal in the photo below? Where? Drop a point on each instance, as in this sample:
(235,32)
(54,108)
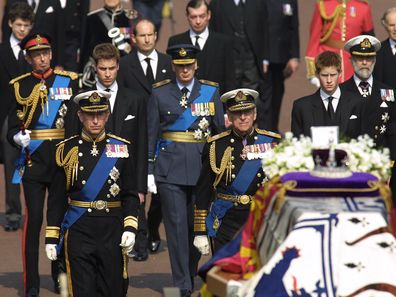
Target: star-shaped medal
(382,129)
(385,117)
(94,151)
(183,101)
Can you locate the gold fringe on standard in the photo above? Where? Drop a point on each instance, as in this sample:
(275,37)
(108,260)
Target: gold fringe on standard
(39,92)
(225,164)
(69,163)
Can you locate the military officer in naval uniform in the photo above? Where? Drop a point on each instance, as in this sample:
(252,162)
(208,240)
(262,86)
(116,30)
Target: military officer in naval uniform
(231,172)
(181,115)
(98,229)
(36,124)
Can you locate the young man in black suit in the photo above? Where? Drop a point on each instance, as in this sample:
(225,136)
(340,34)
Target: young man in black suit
(385,66)
(48,20)
(136,75)
(215,60)
(12,64)
(328,106)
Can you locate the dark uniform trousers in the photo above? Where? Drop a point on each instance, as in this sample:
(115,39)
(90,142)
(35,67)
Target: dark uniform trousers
(177,166)
(39,178)
(93,256)
(93,263)
(215,216)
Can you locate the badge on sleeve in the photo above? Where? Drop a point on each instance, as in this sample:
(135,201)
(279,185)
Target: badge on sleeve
(117,151)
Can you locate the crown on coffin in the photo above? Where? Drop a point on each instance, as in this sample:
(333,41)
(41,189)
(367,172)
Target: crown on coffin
(330,163)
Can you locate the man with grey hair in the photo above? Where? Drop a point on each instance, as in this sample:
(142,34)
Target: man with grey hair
(385,67)
(378,107)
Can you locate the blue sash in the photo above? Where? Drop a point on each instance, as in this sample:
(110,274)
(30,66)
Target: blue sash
(44,122)
(90,191)
(239,186)
(186,119)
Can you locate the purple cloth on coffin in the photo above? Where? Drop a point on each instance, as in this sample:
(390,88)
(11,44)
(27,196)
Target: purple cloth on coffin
(356,185)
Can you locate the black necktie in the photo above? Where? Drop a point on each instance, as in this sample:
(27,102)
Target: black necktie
(149,71)
(33,4)
(330,108)
(184,92)
(196,42)
(21,60)
(365,86)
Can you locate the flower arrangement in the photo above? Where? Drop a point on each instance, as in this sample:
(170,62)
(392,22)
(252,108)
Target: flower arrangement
(293,154)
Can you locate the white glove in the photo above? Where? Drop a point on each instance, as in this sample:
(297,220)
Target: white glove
(315,81)
(151,186)
(201,242)
(21,139)
(50,250)
(128,240)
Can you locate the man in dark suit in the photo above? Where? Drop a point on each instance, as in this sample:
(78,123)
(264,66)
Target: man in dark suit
(75,13)
(48,20)
(284,54)
(136,75)
(328,106)
(245,21)
(12,64)
(181,115)
(377,99)
(385,66)
(133,67)
(215,61)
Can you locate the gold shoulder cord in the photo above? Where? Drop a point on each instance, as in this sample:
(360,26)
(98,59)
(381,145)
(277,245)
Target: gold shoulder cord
(39,92)
(69,163)
(225,164)
(333,18)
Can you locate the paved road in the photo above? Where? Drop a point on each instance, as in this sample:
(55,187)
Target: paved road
(148,278)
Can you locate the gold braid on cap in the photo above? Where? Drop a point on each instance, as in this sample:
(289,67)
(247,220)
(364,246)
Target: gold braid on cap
(69,163)
(39,92)
(225,164)
(333,18)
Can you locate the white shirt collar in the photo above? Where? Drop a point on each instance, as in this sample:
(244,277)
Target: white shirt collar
(113,91)
(14,43)
(153,56)
(203,35)
(358,80)
(336,95)
(189,86)
(392,45)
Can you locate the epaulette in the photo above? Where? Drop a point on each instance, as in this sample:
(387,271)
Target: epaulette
(218,136)
(119,138)
(208,82)
(65,140)
(161,83)
(95,11)
(19,77)
(70,74)
(268,133)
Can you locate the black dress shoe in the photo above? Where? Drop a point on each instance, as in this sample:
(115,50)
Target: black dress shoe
(11,226)
(33,292)
(140,256)
(154,246)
